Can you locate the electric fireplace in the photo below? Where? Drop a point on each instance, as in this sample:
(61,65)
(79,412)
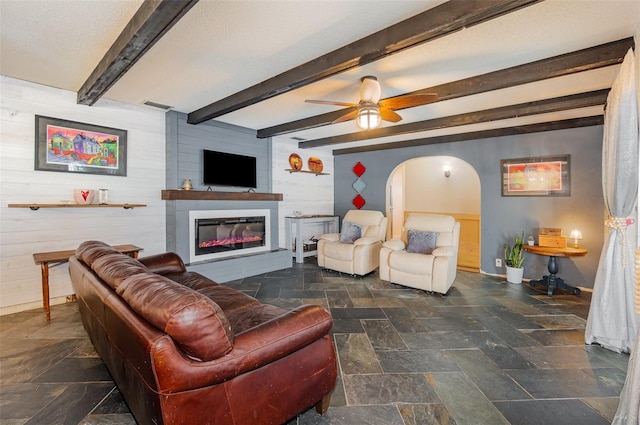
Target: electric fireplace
(224,233)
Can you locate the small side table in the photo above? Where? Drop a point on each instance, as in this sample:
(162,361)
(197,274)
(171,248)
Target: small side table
(297,223)
(59,257)
(552,280)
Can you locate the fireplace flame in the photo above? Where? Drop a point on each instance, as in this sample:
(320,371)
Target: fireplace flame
(229,241)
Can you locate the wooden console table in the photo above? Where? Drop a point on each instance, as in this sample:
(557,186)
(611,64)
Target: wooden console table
(59,257)
(298,222)
(552,280)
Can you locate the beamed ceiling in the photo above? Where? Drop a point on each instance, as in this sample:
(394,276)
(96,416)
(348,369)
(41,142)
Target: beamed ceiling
(499,67)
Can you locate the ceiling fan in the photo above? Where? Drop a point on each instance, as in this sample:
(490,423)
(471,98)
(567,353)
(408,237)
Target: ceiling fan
(371,110)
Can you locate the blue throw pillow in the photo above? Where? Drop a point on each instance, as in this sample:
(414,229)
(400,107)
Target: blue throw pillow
(421,242)
(350,232)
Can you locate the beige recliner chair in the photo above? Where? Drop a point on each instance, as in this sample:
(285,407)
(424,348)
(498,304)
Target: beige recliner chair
(356,250)
(426,256)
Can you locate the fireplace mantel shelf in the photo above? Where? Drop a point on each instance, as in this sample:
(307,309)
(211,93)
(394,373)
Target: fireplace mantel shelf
(208,195)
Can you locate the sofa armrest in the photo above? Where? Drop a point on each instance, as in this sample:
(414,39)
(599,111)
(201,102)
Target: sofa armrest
(282,335)
(331,237)
(163,264)
(444,251)
(367,240)
(252,349)
(394,244)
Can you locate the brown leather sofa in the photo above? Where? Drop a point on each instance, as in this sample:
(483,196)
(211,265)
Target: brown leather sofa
(183,349)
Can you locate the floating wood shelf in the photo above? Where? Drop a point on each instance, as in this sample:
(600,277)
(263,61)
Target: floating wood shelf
(291,170)
(208,195)
(36,207)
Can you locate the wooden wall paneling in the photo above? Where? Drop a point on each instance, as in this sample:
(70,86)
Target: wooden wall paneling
(307,193)
(24,232)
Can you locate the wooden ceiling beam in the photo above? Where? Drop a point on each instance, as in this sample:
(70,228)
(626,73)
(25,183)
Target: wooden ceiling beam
(152,20)
(569,63)
(437,22)
(479,135)
(574,101)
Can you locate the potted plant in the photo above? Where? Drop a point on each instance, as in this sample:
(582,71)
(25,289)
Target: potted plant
(514,259)
(530,240)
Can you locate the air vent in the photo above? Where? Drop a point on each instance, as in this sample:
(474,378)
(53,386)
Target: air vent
(299,139)
(157,105)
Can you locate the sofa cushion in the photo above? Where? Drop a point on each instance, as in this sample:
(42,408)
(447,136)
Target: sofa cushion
(350,232)
(193,280)
(251,316)
(89,251)
(168,262)
(340,251)
(414,264)
(420,242)
(114,268)
(228,299)
(243,311)
(370,231)
(196,323)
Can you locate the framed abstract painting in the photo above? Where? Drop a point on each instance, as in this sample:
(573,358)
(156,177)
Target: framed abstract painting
(536,176)
(75,147)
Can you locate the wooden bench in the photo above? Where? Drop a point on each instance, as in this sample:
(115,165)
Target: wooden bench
(59,257)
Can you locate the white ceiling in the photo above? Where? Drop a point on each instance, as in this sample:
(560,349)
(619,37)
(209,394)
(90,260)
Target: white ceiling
(221,47)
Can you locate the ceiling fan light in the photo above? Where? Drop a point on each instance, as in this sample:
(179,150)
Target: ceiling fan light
(368,117)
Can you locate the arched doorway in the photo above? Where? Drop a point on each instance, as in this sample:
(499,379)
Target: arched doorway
(420,185)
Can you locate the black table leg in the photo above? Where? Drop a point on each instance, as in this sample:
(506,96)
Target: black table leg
(552,280)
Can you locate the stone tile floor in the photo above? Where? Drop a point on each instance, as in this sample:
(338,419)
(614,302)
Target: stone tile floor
(487,353)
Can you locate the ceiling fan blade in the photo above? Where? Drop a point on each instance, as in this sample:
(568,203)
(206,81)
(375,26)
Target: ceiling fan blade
(408,101)
(346,117)
(389,115)
(329,102)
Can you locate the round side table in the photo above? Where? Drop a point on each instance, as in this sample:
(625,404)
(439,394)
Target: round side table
(552,280)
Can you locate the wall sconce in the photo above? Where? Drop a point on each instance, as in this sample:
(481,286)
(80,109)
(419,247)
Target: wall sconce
(575,235)
(447,170)
(368,117)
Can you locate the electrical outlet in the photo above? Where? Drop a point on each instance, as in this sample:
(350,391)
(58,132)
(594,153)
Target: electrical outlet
(498,262)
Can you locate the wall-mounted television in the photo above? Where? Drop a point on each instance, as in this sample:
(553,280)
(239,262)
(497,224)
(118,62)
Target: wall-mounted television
(228,169)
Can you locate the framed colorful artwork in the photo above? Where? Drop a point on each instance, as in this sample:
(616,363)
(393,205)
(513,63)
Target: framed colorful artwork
(74,147)
(536,176)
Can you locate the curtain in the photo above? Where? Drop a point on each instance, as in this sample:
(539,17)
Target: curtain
(629,408)
(628,412)
(612,321)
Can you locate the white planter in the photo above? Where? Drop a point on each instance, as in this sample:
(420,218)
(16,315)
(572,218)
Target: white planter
(514,275)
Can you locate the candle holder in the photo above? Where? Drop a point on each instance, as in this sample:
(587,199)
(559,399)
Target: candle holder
(103,196)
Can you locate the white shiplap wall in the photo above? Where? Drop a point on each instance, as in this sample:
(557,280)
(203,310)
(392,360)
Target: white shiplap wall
(303,192)
(24,232)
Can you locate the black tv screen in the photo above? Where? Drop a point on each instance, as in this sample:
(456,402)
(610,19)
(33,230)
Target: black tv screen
(228,169)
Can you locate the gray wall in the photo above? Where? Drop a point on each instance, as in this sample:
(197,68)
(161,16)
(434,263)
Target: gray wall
(504,217)
(185,143)
(184,146)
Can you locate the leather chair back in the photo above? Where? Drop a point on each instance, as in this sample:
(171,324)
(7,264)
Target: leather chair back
(374,223)
(444,225)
